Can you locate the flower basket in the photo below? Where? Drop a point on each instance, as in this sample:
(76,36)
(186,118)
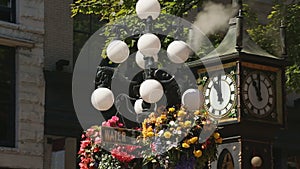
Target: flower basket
(171,139)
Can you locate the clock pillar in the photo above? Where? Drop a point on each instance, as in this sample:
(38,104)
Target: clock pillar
(254,112)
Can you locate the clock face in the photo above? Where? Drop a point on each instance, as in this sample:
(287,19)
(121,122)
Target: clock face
(220,95)
(258,94)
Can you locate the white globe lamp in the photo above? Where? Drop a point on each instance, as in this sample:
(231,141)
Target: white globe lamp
(149,44)
(178,51)
(138,108)
(192,99)
(140,61)
(146,8)
(256,161)
(102,98)
(117,51)
(151,91)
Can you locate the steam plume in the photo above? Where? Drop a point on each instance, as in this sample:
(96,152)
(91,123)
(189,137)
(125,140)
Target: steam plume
(213,18)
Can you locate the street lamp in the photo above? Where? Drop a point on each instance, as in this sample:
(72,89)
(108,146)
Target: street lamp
(150,90)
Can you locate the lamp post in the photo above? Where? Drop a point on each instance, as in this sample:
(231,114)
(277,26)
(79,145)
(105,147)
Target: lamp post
(150,89)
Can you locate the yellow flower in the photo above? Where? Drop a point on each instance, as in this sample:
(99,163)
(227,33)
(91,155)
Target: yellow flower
(193,140)
(187,123)
(159,120)
(171,110)
(205,113)
(216,135)
(185,145)
(167,134)
(150,134)
(149,129)
(197,153)
(181,123)
(197,112)
(181,113)
(144,133)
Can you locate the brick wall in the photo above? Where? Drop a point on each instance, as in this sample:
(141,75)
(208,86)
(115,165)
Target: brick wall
(27,35)
(58,33)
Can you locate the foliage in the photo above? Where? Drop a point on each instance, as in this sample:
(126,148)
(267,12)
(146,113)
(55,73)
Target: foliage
(267,36)
(111,10)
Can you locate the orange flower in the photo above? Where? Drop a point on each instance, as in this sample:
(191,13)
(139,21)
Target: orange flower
(193,140)
(163,117)
(185,145)
(219,140)
(197,153)
(216,135)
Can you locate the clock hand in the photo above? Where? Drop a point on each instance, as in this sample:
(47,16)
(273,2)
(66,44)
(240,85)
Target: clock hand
(220,97)
(257,89)
(258,92)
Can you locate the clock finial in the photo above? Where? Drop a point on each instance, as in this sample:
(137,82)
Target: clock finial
(239,31)
(283,39)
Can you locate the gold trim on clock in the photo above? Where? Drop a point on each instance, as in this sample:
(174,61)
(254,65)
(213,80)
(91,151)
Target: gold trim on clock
(260,67)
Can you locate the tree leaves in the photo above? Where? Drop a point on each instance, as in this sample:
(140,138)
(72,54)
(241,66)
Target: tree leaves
(267,36)
(111,10)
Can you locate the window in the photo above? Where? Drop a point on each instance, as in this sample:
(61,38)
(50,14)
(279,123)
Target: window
(84,27)
(8,10)
(225,160)
(7,96)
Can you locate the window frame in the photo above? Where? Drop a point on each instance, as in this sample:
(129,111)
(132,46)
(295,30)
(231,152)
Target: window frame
(11,10)
(90,30)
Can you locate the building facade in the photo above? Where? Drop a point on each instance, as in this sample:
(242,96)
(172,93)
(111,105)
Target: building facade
(39,43)
(22,84)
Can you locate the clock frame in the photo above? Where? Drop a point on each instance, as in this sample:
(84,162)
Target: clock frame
(206,76)
(220,94)
(259,94)
(269,109)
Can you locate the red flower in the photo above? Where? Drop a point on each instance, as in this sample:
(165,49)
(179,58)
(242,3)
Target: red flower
(89,132)
(85,143)
(83,136)
(120,154)
(96,149)
(115,118)
(81,151)
(112,122)
(120,124)
(83,166)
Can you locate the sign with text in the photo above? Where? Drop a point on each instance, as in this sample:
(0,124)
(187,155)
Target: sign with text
(113,135)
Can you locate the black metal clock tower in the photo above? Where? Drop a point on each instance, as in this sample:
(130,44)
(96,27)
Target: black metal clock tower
(247,98)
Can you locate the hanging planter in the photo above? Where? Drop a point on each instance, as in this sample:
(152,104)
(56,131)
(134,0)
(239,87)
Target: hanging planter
(171,139)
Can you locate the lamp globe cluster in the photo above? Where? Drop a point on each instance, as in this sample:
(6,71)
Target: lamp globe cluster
(149,45)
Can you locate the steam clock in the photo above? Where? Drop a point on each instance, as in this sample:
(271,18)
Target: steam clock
(243,87)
